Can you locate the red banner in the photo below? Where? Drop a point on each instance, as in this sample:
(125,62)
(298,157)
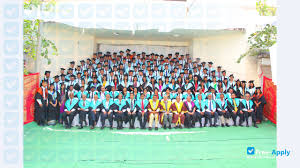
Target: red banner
(270,93)
(31,83)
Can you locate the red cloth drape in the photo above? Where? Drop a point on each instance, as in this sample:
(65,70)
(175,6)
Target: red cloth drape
(31,84)
(270,93)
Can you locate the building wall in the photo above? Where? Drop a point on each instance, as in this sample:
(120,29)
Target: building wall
(72,46)
(224,50)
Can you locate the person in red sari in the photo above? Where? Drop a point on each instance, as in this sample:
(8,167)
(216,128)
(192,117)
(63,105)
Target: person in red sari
(259,101)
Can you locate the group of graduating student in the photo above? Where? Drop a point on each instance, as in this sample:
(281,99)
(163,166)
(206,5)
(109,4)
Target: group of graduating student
(123,87)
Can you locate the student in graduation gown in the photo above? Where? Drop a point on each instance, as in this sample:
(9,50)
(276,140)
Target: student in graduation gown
(247,108)
(70,110)
(199,109)
(165,109)
(41,104)
(210,111)
(94,111)
(259,101)
(222,110)
(233,105)
(142,114)
(113,93)
(62,100)
(131,111)
(120,108)
(189,108)
(52,105)
(153,109)
(107,111)
(83,109)
(178,112)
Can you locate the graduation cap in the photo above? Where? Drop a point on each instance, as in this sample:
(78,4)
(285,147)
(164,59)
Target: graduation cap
(251,81)
(114,53)
(176,53)
(128,49)
(203,62)
(223,71)
(46,72)
(143,52)
(205,69)
(258,88)
(89,59)
(219,67)
(73,76)
(231,75)
(138,55)
(56,76)
(99,52)
(213,71)
(121,51)
(72,62)
(147,55)
(78,66)
(62,75)
(62,69)
(210,63)
(243,81)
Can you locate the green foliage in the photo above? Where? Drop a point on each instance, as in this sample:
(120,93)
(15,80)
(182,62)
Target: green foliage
(31,32)
(265,10)
(260,41)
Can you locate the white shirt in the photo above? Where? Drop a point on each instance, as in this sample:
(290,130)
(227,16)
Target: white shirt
(189,105)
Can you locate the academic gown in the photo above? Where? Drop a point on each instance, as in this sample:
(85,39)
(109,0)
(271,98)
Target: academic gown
(177,108)
(53,111)
(259,110)
(40,112)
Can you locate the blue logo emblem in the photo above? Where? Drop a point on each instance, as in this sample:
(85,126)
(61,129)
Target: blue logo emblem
(250,151)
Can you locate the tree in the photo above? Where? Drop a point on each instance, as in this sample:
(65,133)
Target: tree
(33,40)
(260,41)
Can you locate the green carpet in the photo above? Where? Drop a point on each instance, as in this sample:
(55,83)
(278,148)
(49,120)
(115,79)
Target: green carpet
(55,147)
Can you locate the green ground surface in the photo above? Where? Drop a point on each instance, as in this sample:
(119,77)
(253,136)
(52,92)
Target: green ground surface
(55,147)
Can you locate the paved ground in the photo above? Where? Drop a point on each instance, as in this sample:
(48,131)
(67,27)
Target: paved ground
(55,147)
